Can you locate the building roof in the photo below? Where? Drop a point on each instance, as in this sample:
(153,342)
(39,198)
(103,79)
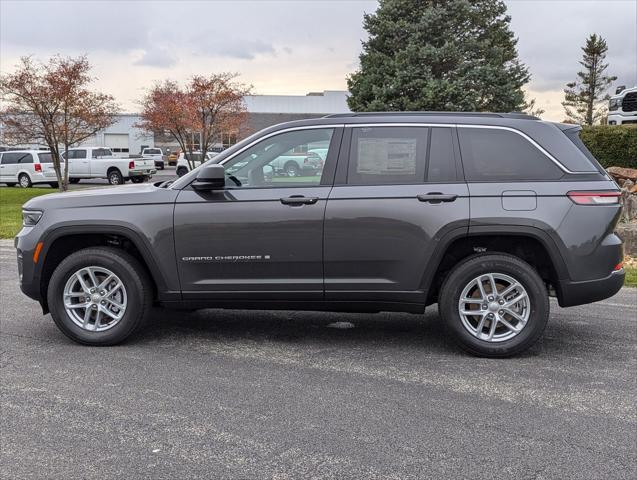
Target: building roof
(327,102)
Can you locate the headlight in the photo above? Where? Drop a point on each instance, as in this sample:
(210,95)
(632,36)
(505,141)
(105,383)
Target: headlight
(31,217)
(614,103)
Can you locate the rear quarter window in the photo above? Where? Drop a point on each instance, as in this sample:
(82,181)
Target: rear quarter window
(490,154)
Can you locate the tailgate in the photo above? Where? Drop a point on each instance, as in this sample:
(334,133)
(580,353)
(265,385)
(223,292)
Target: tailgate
(145,163)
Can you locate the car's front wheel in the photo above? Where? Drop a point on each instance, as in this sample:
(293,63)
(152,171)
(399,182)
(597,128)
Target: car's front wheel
(494,305)
(182,171)
(99,296)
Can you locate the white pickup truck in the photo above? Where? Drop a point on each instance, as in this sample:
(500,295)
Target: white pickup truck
(99,162)
(156,155)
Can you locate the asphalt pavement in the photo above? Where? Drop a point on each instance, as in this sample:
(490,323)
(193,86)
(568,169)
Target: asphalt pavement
(288,395)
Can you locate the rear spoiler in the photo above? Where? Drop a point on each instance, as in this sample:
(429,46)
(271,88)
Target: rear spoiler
(576,127)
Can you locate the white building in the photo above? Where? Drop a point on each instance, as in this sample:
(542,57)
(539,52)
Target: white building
(122,137)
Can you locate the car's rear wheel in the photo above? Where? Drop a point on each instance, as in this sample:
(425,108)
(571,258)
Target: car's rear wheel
(115,177)
(74,180)
(24,181)
(54,184)
(99,296)
(137,179)
(494,305)
(182,171)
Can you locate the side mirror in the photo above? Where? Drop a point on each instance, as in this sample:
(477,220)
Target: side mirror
(210,177)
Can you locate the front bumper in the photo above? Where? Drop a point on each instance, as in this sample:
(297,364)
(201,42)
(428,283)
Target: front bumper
(620,118)
(579,293)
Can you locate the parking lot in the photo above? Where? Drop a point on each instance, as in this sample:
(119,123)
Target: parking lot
(239,394)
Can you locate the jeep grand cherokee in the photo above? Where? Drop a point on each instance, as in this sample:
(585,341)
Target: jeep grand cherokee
(486,215)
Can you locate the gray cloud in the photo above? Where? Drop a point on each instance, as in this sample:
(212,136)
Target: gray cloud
(157,57)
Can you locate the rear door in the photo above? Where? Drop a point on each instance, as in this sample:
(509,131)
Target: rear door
(9,166)
(398,190)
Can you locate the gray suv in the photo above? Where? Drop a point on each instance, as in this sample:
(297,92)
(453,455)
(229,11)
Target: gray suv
(486,215)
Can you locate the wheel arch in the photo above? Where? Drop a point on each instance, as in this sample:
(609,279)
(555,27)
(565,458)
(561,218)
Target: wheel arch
(63,240)
(525,242)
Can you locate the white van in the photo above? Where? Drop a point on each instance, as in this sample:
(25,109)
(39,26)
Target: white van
(26,168)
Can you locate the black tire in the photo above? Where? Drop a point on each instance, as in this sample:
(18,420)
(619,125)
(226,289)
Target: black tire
(54,185)
(292,169)
(115,177)
(132,274)
(24,181)
(10,184)
(74,180)
(137,179)
(182,171)
(508,265)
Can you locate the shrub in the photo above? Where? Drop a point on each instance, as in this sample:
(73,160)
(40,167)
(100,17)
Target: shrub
(612,145)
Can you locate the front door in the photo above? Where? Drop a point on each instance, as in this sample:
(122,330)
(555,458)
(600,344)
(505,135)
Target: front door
(399,191)
(261,237)
(78,163)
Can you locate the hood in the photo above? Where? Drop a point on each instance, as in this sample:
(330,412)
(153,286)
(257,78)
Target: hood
(135,194)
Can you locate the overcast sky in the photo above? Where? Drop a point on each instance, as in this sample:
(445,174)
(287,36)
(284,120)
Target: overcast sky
(286,47)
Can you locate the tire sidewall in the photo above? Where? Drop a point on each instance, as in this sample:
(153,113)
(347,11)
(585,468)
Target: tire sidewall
(513,267)
(26,184)
(115,175)
(133,282)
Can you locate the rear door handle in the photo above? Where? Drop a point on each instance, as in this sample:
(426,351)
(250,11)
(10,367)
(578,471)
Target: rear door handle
(437,197)
(298,200)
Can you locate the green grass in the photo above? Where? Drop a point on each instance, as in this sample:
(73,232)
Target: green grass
(11,201)
(631,277)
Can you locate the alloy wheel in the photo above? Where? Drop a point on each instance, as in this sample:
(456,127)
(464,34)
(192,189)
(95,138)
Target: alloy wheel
(494,307)
(95,298)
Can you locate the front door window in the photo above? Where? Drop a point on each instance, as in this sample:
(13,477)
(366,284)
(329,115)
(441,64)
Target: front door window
(289,159)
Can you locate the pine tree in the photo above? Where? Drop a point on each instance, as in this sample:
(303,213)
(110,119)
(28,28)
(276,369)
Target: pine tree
(585,99)
(456,55)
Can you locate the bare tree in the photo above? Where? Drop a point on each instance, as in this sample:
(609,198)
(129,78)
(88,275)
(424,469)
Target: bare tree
(208,106)
(50,103)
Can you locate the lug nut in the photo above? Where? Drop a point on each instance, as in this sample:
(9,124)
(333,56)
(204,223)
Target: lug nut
(484,307)
(93,306)
(103,302)
(92,290)
(102,293)
(501,302)
(501,312)
(490,299)
(490,315)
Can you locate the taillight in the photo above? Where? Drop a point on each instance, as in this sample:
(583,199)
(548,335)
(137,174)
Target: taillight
(619,266)
(131,165)
(38,167)
(595,198)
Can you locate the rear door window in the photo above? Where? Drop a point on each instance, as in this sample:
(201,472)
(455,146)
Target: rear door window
(490,154)
(387,155)
(441,164)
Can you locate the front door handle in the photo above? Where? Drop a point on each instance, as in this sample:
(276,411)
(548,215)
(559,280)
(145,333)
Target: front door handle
(298,200)
(437,197)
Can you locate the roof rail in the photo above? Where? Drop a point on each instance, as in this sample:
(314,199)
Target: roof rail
(515,115)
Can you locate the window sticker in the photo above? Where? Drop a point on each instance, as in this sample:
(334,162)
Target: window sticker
(394,156)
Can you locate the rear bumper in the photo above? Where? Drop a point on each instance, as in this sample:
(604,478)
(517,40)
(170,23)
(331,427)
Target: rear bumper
(579,293)
(142,172)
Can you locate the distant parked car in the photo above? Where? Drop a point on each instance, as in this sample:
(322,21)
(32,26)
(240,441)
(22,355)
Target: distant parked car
(183,166)
(99,162)
(622,107)
(156,155)
(26,168)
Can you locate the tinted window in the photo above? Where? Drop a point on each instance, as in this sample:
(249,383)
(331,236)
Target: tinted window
(283,160)
(9,158)
(441,165)
(45,157)
(102,152)
(490,154)
(73,154)
(387,155)
(153,151)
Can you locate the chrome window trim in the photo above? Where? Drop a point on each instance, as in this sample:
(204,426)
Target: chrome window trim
(494,127)
(271,134)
